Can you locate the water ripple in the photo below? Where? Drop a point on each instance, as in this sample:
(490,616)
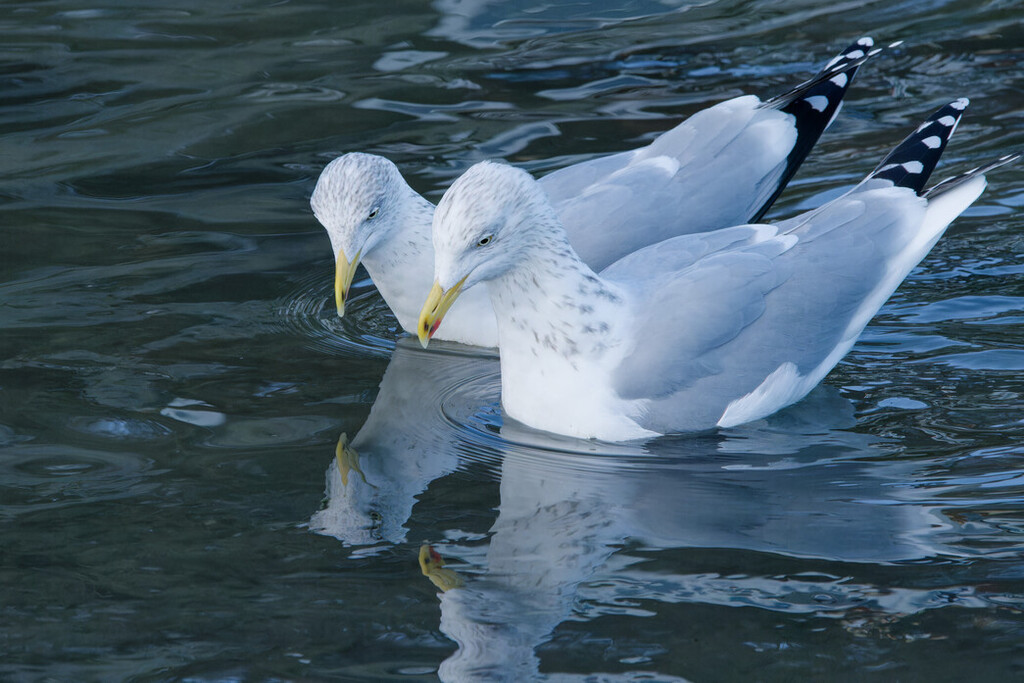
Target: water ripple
(162,313)
(40,477)
(368,327)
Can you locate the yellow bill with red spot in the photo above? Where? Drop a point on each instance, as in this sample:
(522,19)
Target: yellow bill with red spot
(438,303)
(432,566)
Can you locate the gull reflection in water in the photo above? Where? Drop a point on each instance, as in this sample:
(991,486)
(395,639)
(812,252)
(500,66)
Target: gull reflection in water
(407,441)
(577,518)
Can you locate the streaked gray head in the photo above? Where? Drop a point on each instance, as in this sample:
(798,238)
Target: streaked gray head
(357,199)
(486,221)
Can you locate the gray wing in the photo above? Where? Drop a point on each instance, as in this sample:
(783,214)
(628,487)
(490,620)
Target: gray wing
(797,293)
(715,169)
(571,181)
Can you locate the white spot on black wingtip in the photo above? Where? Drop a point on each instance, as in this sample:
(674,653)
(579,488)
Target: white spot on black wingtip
(857,52)
(914,159)
(872,53)
(814,104)
(817,102)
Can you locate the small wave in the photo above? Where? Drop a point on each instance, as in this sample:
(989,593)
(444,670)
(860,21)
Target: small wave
(368,327)
(50,476)
(288,92)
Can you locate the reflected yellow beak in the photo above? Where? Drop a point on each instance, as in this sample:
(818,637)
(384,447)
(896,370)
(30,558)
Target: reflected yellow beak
(433,311)
(344,271)
(432,566)
(348,460)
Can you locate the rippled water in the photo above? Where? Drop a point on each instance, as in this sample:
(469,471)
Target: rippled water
(174,383)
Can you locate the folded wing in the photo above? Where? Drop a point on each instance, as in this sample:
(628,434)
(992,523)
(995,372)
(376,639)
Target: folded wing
(755,323)
(723,166)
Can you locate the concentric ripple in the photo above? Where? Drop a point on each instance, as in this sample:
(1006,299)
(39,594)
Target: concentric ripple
(37,477)
(367,328)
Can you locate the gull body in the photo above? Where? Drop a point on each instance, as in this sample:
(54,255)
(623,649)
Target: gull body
(698,331)
(723,166)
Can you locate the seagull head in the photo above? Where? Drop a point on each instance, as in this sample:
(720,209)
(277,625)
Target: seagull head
(484,226)
(358,200)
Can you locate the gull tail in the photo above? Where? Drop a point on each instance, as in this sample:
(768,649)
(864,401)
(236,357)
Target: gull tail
(814,104)
(914,159)
(911,164)
(949,198)
(948,184)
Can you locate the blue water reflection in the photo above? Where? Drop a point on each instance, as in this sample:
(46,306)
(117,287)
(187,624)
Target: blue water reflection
(174,378)
(578,520)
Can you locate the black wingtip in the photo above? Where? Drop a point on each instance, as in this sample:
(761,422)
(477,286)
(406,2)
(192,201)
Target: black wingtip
(914,159)
(814,103)
(949,183)
(827,83)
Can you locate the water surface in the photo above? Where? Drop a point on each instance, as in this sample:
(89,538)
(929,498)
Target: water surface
(174,382)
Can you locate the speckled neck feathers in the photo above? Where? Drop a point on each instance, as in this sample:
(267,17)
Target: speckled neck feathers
(542,293)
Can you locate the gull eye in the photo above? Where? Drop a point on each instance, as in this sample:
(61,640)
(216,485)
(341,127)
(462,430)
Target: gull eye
(374,212)
(484,241)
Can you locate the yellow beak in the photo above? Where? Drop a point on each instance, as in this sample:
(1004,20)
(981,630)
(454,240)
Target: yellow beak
(348,460)
(344,271)
(438,303)
(432,566)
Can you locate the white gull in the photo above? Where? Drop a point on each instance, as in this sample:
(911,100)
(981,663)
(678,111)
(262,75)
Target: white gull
(698,331)
(723,166)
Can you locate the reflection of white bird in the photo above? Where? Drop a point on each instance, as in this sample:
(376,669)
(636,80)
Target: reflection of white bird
(697,331)
(551,534)
(722,166)
(796,484)
(556,548)
(405,443)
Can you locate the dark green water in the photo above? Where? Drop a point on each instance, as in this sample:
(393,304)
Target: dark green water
(173,379)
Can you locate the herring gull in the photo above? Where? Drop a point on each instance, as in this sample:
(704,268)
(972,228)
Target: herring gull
(698,331)
(722,166)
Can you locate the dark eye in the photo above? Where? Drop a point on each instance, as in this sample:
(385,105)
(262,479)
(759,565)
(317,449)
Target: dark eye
(373,212)
(484,241)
